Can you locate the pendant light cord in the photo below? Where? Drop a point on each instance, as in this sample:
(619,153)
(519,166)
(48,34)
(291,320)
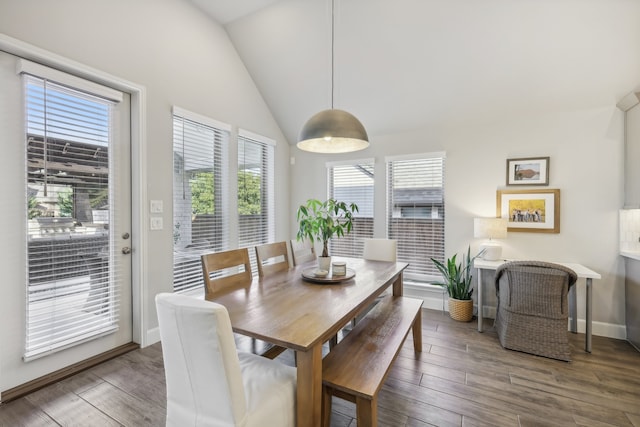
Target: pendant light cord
(333,24)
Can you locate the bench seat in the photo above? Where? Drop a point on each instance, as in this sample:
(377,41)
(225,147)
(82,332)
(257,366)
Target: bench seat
(356,368)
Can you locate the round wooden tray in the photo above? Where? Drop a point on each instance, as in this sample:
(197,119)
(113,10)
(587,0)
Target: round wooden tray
(308,274)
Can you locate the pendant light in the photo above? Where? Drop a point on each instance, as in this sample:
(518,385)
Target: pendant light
(333,130)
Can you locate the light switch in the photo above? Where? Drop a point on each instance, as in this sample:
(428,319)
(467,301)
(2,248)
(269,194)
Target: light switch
(156,223)
(156,206)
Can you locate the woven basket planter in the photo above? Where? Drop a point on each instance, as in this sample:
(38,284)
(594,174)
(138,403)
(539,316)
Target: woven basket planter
(461,310)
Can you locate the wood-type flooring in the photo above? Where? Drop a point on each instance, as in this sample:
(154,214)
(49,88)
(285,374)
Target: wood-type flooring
(462,378)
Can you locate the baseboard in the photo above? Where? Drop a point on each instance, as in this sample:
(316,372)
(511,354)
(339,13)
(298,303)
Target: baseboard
(153,336)
(53,377)
(602,329)
(432,296)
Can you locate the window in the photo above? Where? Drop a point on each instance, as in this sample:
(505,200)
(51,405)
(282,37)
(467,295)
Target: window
(73,277)
(415,212)
(200,221)
(255,192)
(352,182)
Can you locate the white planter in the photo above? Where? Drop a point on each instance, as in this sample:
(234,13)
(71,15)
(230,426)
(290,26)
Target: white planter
(324,263)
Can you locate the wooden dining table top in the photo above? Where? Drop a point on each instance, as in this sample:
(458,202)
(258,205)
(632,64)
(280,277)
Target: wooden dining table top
(287,310)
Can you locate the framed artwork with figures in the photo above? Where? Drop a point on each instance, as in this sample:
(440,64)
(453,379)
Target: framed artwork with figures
(535,211)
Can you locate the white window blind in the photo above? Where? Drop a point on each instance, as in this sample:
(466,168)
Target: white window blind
(200,219)
(255,192)
(353,182)
(416,215)
(72,272)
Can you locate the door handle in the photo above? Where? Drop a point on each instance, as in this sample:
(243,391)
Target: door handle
(126,250)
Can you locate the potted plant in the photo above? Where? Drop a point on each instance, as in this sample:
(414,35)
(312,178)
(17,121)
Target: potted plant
(320,221)
(457,281)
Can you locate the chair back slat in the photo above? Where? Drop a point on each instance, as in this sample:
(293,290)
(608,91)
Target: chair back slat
(225,270)
(302,251)
(272,258)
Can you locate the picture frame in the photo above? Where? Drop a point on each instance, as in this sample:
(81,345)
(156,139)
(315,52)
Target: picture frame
(534,211)
(528,171)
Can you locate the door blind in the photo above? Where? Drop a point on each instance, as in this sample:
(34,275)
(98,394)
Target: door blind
(72,286)
(353,182)
(255,192)
(200,221)
(416,214)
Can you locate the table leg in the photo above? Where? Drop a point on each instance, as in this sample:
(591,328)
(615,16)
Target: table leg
(309,387)
(587,347)
(479,294)
(573,308)
(398,289)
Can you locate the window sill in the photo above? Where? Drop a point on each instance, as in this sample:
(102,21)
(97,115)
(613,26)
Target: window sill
(423,286)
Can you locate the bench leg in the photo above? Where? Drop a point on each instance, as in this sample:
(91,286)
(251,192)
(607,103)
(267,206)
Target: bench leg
(367,412)
(333,341)
(326,406)
(417,332)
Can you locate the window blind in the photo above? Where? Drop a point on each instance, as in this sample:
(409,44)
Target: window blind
(72,273)
(416,214)
(200,219)
(353,182)
(255,192)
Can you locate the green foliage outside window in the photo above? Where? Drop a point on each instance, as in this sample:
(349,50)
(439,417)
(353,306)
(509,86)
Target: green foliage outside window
(203,198)
(202,193)
(65,203)
(249,193)
(34,212)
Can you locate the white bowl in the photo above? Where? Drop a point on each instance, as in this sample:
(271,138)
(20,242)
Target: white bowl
(320,273)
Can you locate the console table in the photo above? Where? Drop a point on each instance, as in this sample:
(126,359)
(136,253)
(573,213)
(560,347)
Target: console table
(582,272)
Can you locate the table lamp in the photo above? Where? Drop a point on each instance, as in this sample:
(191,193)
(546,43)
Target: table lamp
(491,228)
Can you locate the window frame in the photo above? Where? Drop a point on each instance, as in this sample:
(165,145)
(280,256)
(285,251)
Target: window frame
(187,270)
(266,231)
(421,268)
(352,245)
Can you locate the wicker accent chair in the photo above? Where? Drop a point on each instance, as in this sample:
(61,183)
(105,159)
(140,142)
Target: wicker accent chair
(532,312)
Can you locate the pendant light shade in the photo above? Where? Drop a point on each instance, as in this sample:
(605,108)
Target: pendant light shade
(333,131)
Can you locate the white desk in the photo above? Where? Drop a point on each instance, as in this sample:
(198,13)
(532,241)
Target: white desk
(582,272)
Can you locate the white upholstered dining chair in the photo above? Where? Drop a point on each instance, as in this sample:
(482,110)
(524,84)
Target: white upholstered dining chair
(380,249)
(209,383)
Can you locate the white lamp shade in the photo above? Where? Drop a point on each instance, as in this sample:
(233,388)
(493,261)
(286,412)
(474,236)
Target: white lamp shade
(490,228)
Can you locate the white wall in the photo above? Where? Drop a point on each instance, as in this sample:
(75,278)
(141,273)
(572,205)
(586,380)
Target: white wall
(586,151)
(182,58)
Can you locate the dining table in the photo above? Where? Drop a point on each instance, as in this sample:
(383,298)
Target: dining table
(292,311)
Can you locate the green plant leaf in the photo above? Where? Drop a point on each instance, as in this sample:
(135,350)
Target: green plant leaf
(324,220)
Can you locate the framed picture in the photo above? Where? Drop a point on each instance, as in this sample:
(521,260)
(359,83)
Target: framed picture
(529,171)
(536,211)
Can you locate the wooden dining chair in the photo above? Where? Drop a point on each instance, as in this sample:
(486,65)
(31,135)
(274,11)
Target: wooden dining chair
(228,270)
(272,258)
(302,251)
(225,270)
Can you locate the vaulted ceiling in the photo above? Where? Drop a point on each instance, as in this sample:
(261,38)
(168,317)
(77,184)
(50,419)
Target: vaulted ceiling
(406,65)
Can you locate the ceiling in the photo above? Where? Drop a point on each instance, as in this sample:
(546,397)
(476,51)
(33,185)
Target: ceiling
(406,65)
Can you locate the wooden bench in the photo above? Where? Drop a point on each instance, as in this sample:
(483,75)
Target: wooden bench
(355,369)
